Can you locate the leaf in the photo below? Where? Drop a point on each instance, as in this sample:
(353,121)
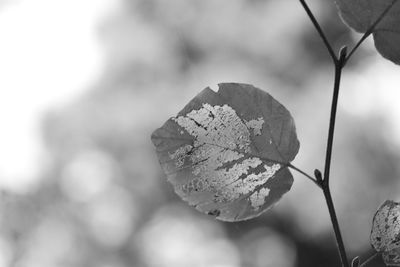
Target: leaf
(385,234)
(361,15)
(226,152)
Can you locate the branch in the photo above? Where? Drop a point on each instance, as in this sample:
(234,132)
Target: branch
(338,73)
(325,183)
(319,30)
(335,224)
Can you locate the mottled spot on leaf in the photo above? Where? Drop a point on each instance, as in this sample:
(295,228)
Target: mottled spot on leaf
(180,154)
(256,125)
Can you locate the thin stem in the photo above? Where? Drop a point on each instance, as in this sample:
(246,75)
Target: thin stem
(335,224)
(369,31)
(369,260)
(290,166)
(319,30)
(365,36)
(325,185)
(305,174)
(332,120)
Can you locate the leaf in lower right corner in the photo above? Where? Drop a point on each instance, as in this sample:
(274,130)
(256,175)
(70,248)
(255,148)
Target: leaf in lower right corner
(385,234)
(360,15)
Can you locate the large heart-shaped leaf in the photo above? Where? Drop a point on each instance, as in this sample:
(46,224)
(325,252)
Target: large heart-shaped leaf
(361,15)
(385,234)
(227,152)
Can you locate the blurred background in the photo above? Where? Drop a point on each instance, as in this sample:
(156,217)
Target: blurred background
(84,83)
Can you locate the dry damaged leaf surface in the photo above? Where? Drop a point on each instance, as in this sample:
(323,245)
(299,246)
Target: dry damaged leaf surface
(226,153)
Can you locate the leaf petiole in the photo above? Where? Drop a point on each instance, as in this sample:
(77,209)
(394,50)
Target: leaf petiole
(305,174)
(319,30)
(369,260)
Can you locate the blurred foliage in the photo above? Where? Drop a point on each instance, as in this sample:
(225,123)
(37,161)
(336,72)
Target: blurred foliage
(103,200)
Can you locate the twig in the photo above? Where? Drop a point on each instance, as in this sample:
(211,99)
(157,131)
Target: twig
(338,73)
(305,174)
(319,30)
(335,224)
(325,184)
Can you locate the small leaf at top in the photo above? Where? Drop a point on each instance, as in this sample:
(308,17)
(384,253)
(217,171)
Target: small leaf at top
(385,234)
(362,14)
(226,153)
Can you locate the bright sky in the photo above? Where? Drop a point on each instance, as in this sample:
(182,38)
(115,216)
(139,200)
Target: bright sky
(373,89)
(49,53)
